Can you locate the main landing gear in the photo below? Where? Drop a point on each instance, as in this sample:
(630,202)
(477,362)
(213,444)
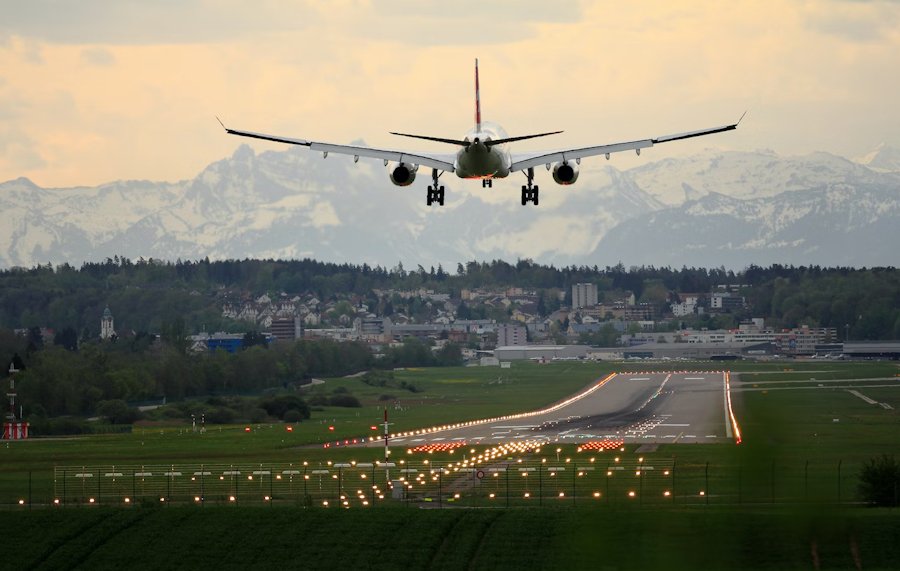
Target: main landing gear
(530,191)
(435,192)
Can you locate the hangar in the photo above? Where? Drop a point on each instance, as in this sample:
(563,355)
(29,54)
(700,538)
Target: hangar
(712,351)
(541,352)
(872,349)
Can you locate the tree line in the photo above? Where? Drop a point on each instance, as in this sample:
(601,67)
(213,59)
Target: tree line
(57,381)
(151,295)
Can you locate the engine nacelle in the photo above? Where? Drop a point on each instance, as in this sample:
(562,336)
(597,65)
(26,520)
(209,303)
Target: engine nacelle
(403,174)
(565,172)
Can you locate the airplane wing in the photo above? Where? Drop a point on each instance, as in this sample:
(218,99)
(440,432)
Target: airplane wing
(356,152)
(526,163)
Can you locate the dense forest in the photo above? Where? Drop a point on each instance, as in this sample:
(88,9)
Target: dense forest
(152,295)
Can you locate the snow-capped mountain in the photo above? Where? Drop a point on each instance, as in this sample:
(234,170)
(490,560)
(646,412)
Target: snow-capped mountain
(745,175)
(714,208)
(834,225)
(882,159)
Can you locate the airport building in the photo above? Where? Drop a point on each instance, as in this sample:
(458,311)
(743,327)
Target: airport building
(511,334)
(540,352)
(228,342)
(378,329)
(872,349)
(287,328)
(584,295)
(704,351)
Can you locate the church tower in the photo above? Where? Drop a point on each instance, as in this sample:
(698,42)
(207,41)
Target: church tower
(106,325)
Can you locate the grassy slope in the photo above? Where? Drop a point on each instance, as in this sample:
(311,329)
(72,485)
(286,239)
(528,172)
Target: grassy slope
(240,538)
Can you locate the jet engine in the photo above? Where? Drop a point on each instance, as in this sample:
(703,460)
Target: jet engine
(403,174)
(565,172)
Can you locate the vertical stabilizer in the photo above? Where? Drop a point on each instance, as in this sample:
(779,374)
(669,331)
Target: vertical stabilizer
(477,100)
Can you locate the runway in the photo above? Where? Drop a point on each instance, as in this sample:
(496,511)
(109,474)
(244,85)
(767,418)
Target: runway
(652,407)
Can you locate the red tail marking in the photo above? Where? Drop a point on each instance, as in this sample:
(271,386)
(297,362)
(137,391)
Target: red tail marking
(477,100)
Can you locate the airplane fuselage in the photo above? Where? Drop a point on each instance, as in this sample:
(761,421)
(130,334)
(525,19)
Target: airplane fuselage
(478,160)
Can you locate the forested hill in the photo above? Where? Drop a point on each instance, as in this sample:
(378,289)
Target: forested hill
(149,295)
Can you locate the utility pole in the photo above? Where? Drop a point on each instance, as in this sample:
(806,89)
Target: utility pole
(387,451)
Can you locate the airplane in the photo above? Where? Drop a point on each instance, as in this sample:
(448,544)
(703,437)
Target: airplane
(483,154)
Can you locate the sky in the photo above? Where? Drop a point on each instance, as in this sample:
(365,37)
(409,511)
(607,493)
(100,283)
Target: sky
(94,91)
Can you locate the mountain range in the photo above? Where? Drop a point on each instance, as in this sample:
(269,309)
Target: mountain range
(714,208)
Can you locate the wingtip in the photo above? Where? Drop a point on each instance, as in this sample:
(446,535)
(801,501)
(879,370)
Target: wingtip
(744,114)
(221,123)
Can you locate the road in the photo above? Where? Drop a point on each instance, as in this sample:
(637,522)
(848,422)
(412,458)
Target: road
(653,407)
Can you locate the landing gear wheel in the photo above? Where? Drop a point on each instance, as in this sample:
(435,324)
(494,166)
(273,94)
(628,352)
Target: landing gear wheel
(529,190)
(530,195)
(435,193)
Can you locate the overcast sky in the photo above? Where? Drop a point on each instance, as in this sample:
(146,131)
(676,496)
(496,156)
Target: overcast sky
(93,91)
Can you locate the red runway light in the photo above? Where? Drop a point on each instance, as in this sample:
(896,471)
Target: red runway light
(331,428)
(289,428)
(246,429)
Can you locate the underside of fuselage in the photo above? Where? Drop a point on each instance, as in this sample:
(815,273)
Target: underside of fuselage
(480,159)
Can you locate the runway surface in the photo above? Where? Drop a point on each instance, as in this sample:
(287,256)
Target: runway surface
(653,407)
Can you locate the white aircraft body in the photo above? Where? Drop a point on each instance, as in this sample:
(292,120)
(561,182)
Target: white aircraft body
(483,154)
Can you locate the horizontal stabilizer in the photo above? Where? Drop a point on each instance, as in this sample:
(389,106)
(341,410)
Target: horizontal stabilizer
(438,139)
(491,143)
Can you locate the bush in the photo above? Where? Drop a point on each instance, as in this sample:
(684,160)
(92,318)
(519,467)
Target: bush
(879,481)
(348,401)
(292,416)
(117,411)
(281,405)
(386,397)
(378,378)
(171,412)
(411,387)
(63,425)
(258,415)
(220,415)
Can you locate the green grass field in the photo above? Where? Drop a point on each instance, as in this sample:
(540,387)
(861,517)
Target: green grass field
(790,436)
(260,538)
(769,503)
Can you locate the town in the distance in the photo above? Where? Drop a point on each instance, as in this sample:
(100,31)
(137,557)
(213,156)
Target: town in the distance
(598,317)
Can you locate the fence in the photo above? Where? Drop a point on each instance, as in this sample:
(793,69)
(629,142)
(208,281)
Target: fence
(604,480)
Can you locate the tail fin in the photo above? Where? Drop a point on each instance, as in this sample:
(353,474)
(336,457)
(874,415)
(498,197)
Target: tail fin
(477,100)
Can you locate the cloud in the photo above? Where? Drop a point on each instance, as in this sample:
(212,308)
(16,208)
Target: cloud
(130,88)
(98,56)
(137,22)
(855,21)
(18,151)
